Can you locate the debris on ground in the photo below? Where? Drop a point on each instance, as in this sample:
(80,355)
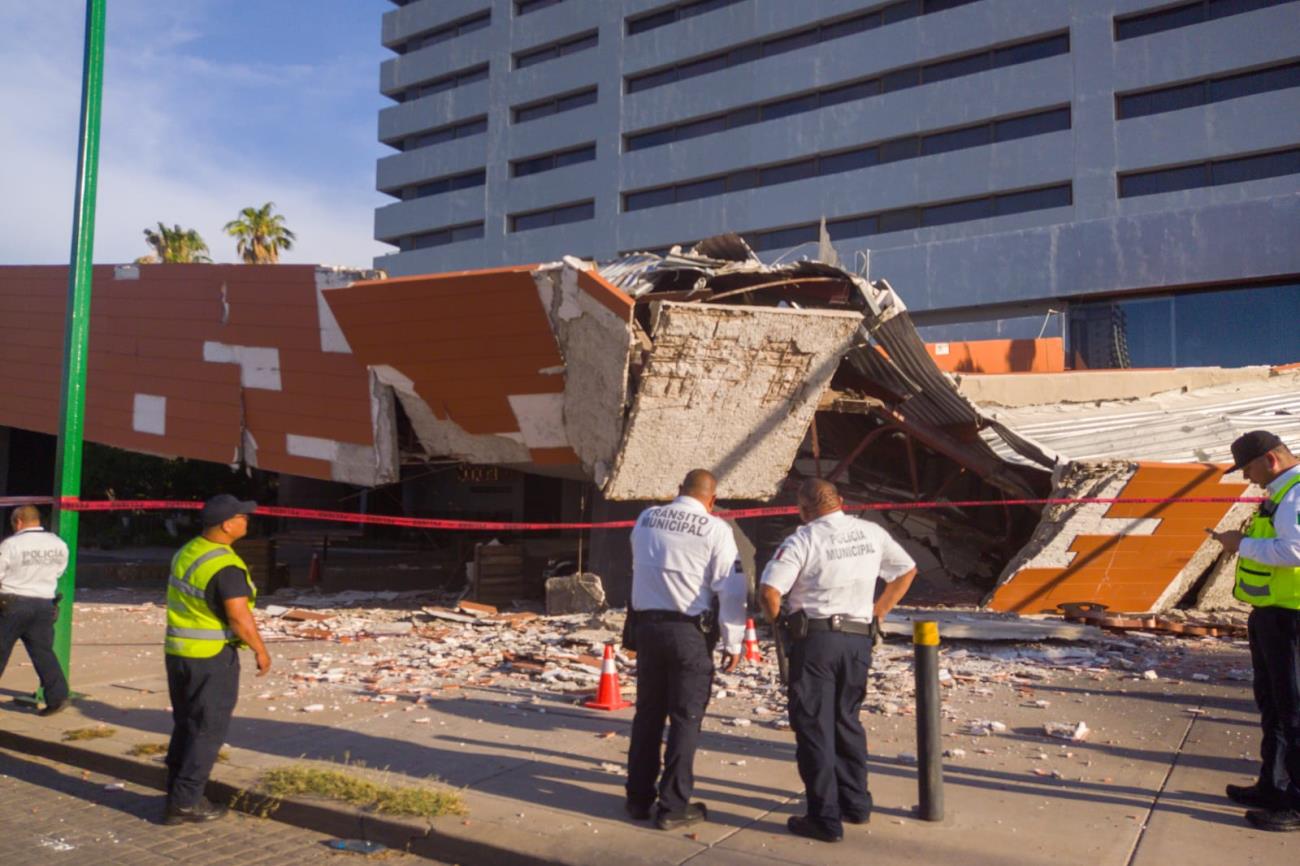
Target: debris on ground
(410,651)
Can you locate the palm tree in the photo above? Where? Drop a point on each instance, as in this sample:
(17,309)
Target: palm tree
(174,244)
(260,235)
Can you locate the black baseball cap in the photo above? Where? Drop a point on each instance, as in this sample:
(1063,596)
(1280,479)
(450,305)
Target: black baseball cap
(1251,446)
(222,507)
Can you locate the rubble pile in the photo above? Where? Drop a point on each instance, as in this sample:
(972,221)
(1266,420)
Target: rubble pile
(413,649)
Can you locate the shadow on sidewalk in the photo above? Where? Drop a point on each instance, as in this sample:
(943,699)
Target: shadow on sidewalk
(145,806)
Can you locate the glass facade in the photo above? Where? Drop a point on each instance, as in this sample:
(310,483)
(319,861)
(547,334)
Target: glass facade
(1226,327)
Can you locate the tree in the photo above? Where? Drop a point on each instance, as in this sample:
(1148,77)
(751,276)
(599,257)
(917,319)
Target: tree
(174,244)
(260,235)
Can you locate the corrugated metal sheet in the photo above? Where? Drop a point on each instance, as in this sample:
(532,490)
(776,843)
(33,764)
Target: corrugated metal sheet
(156,383)
(1192,427)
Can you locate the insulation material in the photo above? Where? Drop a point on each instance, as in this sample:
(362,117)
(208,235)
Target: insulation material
(1138,557)
(729,388)
(209,362)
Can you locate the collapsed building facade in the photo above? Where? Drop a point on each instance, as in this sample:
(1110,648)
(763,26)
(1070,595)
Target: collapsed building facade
(617,379)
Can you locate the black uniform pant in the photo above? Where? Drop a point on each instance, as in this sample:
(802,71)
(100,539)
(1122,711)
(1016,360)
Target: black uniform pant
(31,620)
(203,693)
(674,679)
(828,681)
(1275,653)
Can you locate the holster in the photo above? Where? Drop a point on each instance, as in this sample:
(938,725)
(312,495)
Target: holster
(796,625)
(629,630)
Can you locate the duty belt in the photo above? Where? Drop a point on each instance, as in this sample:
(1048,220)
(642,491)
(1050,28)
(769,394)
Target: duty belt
(666,616)
(842,623)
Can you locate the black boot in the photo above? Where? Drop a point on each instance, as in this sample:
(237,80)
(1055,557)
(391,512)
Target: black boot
(200,812)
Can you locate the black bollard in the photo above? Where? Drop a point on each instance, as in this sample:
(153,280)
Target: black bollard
(929,749)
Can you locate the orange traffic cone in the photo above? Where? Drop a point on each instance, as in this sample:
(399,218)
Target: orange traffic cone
(751,652)
(608,697)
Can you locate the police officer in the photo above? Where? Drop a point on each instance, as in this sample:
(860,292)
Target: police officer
(31,563)
(682,559)
(830,566)
(210,599)
(1268,579)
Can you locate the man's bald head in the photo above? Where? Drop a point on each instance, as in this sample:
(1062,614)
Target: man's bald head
(24,516)
(817,497)
(699,483)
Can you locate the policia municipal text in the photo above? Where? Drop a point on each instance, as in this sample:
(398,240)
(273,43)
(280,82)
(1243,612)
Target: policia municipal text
(210,599)
(1268,579)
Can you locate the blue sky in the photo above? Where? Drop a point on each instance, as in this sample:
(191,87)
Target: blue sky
(209,106)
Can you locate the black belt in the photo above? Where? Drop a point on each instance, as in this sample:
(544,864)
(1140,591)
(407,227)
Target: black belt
(840,623)
(666,616)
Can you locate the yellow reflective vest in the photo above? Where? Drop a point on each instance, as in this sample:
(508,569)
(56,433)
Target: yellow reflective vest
(1268,585)
(193,629)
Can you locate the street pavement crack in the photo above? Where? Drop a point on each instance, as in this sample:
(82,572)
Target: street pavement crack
(783,803)
(1164,783)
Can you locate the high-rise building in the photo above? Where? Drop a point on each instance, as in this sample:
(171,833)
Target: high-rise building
(1122,173)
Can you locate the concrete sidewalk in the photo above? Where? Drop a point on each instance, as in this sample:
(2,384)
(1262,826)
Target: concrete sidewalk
(542,778)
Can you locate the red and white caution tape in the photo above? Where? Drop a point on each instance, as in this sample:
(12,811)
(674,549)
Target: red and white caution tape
(506,526)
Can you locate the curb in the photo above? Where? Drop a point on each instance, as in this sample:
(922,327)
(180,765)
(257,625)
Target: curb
(322,816)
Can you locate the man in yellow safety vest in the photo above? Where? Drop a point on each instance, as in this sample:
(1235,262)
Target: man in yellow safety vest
(210,598)
(1268,579)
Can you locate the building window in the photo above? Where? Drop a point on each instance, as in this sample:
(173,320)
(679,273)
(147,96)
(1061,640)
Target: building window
(889,13)
(451,132)
(556,50)
(1217,88)
(1184,15)
(552,161)
(523,7)
(797,40)
(1216,172)
(553,105)
(907,147)
(556,216)
(445,32)
(888,82)
(440,185)
(916,216)
(439,237)
(444,83)
(1223,327)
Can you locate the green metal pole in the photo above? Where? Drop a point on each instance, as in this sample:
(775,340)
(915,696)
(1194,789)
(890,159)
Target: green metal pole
(72,409)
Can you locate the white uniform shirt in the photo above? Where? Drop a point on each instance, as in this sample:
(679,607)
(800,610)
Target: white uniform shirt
(31,563)
(830,566)
(682,557)
(1285,549)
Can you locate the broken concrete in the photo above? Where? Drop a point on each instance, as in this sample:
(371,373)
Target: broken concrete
(595,339)
(576,593)
(730,388)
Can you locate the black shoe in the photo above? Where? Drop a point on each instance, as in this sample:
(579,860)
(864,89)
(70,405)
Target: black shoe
(636,811)
(802,825)
(55,709)
(1255,796)
(1276,820)
(693,814)
(856,819)
(197,814)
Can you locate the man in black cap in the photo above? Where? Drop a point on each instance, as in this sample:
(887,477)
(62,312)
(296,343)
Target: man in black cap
(210,599)
(1268,579)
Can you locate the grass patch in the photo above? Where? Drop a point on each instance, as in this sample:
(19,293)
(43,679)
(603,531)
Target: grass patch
(152,750)
(147,750)
(98,732)
(416,801)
